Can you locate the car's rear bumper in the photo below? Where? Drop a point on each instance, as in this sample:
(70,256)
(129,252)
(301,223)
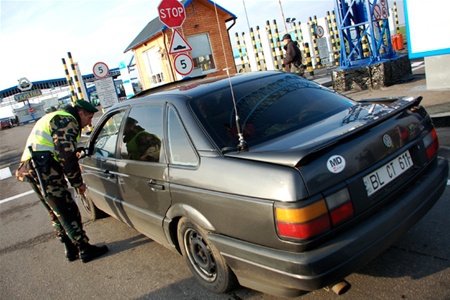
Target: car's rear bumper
(287,274)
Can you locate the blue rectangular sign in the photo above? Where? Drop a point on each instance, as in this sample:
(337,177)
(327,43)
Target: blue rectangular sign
(426,27)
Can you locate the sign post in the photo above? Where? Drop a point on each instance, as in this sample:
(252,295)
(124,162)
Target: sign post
(25,85)
(178,44)
(106,90)
(100,70)
(171,13)
(183,64)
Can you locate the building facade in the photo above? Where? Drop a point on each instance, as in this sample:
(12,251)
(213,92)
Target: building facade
(206,30)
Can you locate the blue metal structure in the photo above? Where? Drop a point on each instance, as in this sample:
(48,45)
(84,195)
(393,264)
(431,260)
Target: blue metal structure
(364,30)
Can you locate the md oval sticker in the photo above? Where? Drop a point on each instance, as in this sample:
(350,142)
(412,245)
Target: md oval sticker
(336,164)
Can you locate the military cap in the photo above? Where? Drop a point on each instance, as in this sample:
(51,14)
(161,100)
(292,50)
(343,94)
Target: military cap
(83,104)
(130,121)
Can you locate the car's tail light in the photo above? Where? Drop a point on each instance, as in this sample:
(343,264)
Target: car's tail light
(316,218)
(431,143)
(302,222)
(340,206)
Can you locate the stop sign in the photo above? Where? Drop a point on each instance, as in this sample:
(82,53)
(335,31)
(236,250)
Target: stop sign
(171,13)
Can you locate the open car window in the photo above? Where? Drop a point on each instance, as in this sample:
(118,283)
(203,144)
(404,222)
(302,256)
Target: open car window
(105,143)
(143,134)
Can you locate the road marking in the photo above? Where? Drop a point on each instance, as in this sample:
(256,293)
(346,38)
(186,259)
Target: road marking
(417,65)
(448,182)
(16,196)
(5,173)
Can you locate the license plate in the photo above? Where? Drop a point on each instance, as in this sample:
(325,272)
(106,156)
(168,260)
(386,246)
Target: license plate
(376,180)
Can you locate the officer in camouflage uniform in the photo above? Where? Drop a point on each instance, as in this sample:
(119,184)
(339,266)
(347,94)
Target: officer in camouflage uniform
(54,144)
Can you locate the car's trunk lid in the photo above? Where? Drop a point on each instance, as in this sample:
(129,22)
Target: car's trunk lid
(347,145)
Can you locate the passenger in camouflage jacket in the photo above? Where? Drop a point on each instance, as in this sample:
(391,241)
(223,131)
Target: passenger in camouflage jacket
(64,129)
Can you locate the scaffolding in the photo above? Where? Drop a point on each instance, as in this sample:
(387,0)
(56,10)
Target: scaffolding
(364,30)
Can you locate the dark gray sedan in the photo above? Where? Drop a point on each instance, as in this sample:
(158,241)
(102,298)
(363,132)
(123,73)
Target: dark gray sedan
(265,179)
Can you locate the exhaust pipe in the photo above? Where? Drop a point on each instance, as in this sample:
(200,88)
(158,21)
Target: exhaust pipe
(339,288)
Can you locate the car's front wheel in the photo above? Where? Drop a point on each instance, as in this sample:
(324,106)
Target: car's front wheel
(89,207)
(203,259)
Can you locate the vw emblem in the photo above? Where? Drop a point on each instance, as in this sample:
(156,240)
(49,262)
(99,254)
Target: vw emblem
(387,140)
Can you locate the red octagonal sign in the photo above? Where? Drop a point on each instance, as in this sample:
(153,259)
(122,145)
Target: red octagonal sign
(171,13)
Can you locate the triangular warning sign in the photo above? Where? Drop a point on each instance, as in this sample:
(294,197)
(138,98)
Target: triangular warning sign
(178,44)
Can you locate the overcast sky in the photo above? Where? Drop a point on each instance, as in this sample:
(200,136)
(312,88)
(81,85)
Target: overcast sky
(35,35)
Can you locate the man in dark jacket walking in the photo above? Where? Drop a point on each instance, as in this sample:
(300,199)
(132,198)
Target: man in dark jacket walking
(293,57)
(50,156)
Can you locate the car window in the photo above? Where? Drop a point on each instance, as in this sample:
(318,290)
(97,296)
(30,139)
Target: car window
(105,143)
(142,134)
(181,151)
(266,109)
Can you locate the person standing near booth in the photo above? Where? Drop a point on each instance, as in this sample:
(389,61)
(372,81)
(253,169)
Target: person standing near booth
(293,57)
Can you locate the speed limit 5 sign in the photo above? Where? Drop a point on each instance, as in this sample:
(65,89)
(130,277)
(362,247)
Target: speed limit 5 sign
(183,64)
(100,70)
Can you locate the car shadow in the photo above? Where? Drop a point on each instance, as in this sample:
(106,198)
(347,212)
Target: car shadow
(128,244)
(420,252)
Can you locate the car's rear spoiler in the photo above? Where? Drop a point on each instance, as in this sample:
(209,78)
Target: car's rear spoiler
(300,156)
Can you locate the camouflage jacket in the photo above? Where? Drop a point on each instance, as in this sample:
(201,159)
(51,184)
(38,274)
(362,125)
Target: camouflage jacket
(64,131)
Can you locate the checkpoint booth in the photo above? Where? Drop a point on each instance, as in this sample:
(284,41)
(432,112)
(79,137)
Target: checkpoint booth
(164,54)
(27,114)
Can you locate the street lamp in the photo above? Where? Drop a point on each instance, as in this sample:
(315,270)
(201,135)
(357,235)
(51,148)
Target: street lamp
(290,21)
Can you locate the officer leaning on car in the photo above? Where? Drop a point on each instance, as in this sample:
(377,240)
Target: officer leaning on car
(49,157)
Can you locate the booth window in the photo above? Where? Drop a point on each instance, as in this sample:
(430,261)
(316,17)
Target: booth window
(201,52)
(154,70)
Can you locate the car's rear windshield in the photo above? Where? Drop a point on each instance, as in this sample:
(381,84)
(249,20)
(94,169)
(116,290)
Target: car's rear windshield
(267,108)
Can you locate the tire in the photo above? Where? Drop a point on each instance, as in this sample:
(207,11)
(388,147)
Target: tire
(203,258)
(89,207)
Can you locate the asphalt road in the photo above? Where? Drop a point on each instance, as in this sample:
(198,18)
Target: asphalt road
(33,266)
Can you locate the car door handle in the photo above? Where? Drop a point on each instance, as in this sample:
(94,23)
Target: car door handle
(155,186)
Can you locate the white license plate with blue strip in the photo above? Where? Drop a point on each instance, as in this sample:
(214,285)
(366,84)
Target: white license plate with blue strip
(378,179)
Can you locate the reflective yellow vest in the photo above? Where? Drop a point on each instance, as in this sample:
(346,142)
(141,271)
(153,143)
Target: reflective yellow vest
(40,138)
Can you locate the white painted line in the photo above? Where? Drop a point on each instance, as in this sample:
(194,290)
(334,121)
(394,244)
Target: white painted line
(417,63)
(448,182)
(16,196)
(5,173)
(417,67)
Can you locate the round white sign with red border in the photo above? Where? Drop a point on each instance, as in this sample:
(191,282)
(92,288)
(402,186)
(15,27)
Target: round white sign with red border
(183,64)
(100,70)
(320,31)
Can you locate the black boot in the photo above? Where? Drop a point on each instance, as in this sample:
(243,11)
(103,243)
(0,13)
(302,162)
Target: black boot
(71,249)
(89,252)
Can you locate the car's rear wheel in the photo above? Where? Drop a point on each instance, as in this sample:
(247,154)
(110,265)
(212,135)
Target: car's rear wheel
(203,259)
(89,207)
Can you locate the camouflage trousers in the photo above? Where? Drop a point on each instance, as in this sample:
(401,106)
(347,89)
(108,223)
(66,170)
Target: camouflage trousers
(62,209)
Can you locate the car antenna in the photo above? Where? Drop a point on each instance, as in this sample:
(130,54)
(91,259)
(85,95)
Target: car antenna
(242,146)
